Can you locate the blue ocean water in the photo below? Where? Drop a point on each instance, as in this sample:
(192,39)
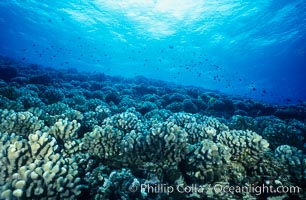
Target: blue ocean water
(251,48)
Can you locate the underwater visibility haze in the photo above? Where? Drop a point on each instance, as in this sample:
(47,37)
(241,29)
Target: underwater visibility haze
(250,48)
(152,99)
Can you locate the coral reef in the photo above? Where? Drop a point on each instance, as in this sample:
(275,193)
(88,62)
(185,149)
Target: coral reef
(205,161)
(294,159)
(7,72)
(32,168)
(22,123)
(245,146)
(72,135)
(276,131)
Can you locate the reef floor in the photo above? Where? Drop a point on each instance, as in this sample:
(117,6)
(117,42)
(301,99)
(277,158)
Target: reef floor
(71,135)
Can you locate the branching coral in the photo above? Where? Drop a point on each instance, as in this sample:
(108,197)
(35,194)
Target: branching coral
(112,134)
(33,169)
(245,146)
(66,134)
(22,123)
(206,160)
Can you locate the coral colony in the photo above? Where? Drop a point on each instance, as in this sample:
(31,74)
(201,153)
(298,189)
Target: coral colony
(71,135)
